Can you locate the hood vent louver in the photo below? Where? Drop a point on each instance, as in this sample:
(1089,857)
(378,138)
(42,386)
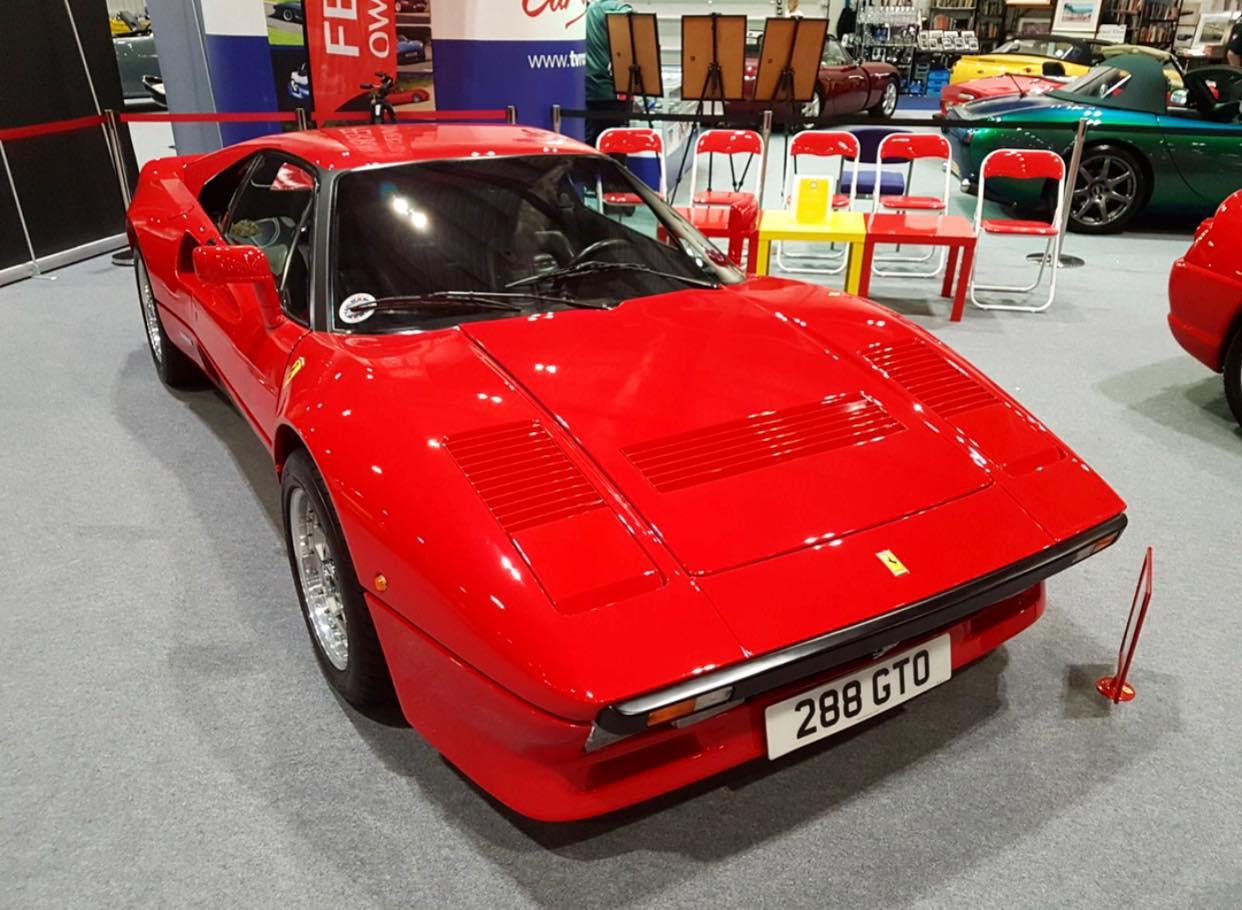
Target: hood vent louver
(760,440)
(930,377)
(522,474)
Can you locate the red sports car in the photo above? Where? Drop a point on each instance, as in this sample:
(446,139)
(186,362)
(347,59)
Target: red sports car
(607,515)
(1205,297)
(845,86)
(995,87)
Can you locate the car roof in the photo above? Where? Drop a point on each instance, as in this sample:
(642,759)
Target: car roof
(345,148)
(1146,92)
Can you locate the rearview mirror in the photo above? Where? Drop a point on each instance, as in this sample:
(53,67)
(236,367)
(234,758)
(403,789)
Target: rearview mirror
(1052,68)
(231,265)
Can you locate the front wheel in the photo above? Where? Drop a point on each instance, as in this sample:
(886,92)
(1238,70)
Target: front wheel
(287,15)
(1110,189)
(1233,375)
(332,602)
(888,102)
(174,368)
(813,110)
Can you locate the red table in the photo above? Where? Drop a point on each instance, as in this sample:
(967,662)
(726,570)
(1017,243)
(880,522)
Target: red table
(953,231)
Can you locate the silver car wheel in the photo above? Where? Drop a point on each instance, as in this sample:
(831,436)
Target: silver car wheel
(150,317)
(1106,189)
(317,572)
(888,103)
(813,108)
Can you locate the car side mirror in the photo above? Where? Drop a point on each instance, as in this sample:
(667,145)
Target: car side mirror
(240,265)
(1052,68)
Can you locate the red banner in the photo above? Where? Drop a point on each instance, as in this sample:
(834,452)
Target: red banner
(349,41)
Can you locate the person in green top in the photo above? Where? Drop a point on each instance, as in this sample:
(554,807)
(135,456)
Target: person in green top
(600,94)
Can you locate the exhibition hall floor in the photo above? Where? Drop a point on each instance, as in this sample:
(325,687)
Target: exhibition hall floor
(169,740)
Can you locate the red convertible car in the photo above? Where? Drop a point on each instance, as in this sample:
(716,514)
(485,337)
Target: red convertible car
(605,514)
(995,87)
(845,86)
(1205,298)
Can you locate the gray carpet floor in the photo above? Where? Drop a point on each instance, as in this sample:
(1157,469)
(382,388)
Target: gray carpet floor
(168,740)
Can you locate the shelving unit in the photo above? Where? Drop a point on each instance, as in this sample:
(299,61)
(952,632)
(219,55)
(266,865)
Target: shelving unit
(990,23)
(1157,24)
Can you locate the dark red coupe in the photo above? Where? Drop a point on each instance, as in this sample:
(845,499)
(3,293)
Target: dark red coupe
(845,86)
(606,515)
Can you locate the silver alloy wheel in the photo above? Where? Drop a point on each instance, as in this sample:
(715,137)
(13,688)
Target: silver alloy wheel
(317,572)
(1105,190)
(888,102)
(287,15)
(150,317)
(813,108)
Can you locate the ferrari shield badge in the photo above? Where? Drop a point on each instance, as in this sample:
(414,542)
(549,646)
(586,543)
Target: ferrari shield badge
(892,563)
(294,369)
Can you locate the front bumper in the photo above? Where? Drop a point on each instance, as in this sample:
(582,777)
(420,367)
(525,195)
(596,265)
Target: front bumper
(537,763)
(1202,307)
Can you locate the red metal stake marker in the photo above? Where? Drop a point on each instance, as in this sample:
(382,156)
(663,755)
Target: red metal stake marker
(1115,687)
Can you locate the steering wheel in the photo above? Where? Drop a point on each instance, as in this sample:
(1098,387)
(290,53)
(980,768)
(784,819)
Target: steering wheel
(592,248)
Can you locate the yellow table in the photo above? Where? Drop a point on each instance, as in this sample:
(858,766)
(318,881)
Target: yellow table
(839,227)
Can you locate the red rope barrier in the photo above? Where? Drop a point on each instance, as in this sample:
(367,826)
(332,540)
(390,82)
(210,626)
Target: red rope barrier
(227,117)
(411,116)
(47,129)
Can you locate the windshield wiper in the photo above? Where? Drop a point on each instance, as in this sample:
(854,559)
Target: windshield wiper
(478,300)
(595,267)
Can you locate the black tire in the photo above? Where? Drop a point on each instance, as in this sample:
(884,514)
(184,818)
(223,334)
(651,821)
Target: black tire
(1233,374)
(1110,188)
(287,15)
(884,110)
(364,680)
(175,369)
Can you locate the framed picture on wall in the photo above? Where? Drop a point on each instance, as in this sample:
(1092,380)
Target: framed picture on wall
(1076,16)
(1214,28)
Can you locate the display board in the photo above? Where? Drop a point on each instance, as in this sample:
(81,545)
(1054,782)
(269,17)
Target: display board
(346,49)
(705,39)
(634,49)
(796,44)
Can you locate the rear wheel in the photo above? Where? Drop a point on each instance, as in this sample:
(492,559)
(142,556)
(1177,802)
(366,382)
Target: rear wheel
(813,110)
(1109,191)
(287,15)
(888,102)
(1233,375)
(175,369)
(332,602)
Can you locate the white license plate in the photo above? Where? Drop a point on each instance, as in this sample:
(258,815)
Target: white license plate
(811,716)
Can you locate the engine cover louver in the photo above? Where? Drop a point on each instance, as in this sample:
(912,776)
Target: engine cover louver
(522,474)
(760,440)
(927,375)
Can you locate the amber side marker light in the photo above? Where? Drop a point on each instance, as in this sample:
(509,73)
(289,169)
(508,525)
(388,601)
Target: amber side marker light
(1102,544)
(381,583)
(688,706)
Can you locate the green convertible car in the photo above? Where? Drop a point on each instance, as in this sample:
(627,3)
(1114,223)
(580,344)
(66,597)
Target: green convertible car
(1184,158)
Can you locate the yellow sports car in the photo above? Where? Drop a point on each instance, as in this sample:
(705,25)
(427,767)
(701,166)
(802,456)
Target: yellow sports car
(1032,55)
(128,24)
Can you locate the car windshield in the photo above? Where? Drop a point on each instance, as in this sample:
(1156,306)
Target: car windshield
(1038,47)
(1100,82)
(564,230)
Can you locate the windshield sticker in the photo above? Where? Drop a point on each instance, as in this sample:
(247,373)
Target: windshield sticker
(349,311)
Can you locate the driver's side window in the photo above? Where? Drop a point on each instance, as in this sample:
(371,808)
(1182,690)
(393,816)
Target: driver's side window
(273,212)
(835,54)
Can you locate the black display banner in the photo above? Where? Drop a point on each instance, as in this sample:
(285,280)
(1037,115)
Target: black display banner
(66,183)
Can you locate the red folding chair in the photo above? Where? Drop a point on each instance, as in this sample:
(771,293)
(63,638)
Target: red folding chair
(831,145)
(731,144)
(905,149)
(1021,164)
(625,140)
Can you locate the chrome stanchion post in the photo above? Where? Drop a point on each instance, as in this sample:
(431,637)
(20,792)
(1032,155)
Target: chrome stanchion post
(767,139)
(112,131)
(556,118)
(1059,259)
(303,121)
(21,218)
(510,114)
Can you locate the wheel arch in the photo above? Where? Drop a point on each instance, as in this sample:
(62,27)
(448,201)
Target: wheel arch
(285,442)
